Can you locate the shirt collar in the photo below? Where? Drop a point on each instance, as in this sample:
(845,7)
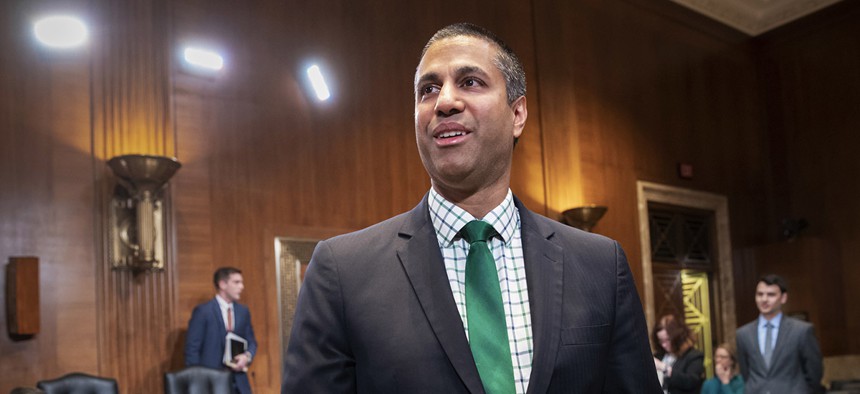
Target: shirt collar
(222,302)
(448,219)
(775,321)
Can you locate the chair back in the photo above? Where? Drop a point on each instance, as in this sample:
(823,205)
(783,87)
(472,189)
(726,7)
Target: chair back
(78,383)
(847,386)
(197,380)
(26,390)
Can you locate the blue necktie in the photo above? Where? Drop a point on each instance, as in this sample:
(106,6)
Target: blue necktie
(768,344)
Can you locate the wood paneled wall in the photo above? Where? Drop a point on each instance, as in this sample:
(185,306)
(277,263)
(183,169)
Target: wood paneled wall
(627,91)
(810,72)
(618,92)
(46,197)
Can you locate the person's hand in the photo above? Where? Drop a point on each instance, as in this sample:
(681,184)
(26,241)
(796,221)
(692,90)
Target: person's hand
(724,373)
(659,364)
(241,362)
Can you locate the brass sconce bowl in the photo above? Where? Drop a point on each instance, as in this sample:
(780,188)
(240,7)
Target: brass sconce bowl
(143,172)
(585,217)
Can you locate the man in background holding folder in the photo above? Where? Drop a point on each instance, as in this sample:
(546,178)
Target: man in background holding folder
(210,324)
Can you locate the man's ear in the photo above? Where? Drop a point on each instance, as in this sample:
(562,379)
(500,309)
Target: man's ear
(521,113)
(783,298)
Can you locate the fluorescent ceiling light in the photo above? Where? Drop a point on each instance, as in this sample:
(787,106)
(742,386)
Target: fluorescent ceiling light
(318,83)
(60,31)
(204,58)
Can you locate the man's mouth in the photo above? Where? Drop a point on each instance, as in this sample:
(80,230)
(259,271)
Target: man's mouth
(451,134)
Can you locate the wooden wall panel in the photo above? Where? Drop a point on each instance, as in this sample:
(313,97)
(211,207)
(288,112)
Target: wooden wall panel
(810,71)
(132,115)
(46,197)
(628,90)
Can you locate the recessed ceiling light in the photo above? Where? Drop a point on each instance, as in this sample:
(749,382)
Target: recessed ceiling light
(318,82)
(60,31)
(204,58)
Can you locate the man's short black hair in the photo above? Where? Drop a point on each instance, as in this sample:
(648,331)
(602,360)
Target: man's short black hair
(224,273)
(772,279)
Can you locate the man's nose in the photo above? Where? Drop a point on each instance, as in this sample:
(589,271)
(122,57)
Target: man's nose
(448,102)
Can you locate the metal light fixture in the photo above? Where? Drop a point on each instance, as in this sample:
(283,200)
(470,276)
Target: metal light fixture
(583,218)
(137,211)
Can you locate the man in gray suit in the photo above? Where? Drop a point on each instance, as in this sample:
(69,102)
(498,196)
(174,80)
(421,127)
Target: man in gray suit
(470,292)
(778,354)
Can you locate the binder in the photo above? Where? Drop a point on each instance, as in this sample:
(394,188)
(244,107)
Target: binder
(234,346)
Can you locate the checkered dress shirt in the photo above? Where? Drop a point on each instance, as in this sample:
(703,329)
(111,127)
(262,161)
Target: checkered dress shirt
(507,249)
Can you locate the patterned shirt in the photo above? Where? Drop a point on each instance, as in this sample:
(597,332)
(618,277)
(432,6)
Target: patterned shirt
(507,249)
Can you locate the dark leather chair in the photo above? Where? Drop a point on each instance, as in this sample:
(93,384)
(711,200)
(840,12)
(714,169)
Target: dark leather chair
(845,386)
(198,380)
(78,383)
(26,390)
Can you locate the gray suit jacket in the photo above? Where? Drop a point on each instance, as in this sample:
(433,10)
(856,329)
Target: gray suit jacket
(376,315)
(795,365)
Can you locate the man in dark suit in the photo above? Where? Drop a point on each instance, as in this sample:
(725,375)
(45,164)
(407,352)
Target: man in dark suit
(210,322)
(403,307)
(778,354)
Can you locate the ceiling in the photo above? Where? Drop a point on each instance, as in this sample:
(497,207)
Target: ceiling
(754,17)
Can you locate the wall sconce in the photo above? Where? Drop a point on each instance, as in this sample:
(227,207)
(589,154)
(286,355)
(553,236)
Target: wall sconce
(583,218)
(136,212)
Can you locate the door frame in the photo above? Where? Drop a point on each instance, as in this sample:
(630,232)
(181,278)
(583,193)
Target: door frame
(654,192)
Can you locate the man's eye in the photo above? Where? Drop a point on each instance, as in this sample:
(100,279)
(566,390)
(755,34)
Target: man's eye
(469,82)
(425,90)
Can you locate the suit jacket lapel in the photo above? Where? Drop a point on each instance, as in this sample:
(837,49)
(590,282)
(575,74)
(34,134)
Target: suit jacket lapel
(757,354)
(544,274)
(418,251)
(216,313)
(237,316)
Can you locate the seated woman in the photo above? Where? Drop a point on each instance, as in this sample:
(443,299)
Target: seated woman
(727,379)
(680,365)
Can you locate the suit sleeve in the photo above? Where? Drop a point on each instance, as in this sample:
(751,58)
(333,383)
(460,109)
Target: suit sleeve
(252,340)
(194,338)
(319,359)
(810,356)
(631,365)
(743,355)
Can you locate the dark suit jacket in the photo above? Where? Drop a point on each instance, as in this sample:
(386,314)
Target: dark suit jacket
(205,342)
(376,315)
(795,365)
(688,373)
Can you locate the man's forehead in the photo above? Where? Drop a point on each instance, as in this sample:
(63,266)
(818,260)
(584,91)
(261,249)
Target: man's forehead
(467,44)
(429,66)
(764,287)
(462,39)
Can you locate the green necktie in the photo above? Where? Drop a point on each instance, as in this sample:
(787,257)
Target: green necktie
(488,332)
